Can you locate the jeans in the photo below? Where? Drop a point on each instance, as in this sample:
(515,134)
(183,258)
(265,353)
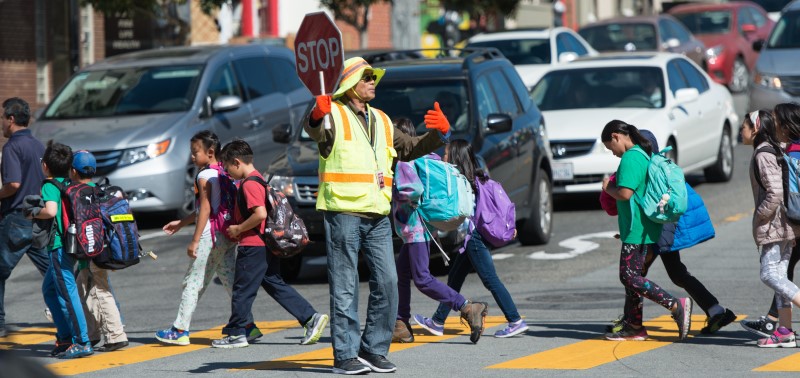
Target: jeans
(477,256)
(412,263)
(345,235)
(61,295)
(15,241)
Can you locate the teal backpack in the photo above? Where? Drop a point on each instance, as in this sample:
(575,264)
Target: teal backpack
(665,196)
(447,197)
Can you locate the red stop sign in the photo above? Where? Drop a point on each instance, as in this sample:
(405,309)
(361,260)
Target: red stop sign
(318,48)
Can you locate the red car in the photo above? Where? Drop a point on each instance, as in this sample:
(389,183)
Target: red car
(728,31)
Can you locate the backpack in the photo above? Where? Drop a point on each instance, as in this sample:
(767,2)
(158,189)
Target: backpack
(495,214)
(790,168)
(221,218)
(447,197)
(285,233)
(82,220)
(665,197)
(121,248)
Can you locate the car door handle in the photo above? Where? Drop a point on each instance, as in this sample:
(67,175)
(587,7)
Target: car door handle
(252,124)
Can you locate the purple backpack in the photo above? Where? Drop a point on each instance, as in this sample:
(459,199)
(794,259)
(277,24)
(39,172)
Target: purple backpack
(494,213)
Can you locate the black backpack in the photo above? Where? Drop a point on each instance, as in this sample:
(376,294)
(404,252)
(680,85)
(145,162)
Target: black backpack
(83,231)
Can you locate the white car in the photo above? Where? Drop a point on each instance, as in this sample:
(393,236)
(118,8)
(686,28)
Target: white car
(665,93)
(533,51)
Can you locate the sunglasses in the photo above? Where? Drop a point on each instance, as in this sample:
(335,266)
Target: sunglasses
(367,78)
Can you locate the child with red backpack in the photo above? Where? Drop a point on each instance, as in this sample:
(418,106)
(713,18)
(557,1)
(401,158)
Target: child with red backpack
(211,250)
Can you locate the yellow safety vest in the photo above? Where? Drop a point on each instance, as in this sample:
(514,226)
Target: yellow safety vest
(349,176)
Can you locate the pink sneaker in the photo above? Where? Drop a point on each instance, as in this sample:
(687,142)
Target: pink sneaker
(781,338)
(628,333)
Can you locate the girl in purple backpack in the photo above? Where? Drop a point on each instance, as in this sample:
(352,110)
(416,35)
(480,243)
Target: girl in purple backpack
(415,254)
(476,255)
(210,249)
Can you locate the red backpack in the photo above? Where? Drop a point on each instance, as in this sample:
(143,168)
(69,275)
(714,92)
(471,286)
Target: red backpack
(82,219)
(222,217)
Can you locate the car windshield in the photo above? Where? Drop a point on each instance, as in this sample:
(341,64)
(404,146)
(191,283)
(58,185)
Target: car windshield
(710,22)
(621,37)
(521,51)
(786,33)
(602,87)
(120,91)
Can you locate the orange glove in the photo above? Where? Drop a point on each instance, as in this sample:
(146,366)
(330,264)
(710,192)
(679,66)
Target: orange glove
(436,120)
(323,107)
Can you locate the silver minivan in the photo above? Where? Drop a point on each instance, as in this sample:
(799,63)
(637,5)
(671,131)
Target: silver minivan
(777,73)
(137,112)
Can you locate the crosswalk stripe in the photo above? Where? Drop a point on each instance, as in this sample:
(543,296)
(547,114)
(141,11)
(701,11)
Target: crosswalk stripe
(790,363)
(128,356)
(323,358)
(27,336)
(589,354)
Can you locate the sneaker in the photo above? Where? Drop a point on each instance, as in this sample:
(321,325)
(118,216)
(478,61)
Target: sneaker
(616,325)
(762,326)
(474,314)
(627,333)
(350,367)
(48,315)
(781,338)
(314,328)
(173,336)
(429,325)
(77,351)
(512,329)
(110,347)
(714,323)
(683,317)
(376,363)
(402,332)
(252,332)
(61,347)
(230,342)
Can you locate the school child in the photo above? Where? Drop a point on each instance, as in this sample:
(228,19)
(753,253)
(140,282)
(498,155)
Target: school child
(414,258)
(755,130)
(59,288)
(102,313)
(254,264)
(459,152)
(637,233)
(694,227)
(209,253)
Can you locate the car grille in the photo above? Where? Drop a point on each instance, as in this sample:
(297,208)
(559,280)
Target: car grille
(791,84)
(563,149)
(306,190)
(580,179)
(107,161)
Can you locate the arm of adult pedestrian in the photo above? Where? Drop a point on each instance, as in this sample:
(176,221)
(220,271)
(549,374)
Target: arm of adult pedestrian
(9,189)
(322,107)
(409,148)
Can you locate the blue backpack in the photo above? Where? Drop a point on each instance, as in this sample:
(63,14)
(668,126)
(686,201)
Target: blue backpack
(121,246)
(447,198)
(665,196)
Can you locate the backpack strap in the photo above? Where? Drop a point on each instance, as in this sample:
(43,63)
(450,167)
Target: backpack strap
(781,163)
(62,190)
(241,201)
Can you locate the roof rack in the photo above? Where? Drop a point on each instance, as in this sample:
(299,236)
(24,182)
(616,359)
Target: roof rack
(470,55)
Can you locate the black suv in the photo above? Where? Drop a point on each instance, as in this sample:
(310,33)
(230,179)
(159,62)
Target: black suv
(493,111)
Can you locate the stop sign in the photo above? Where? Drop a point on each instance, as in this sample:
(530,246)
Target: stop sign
(318,53)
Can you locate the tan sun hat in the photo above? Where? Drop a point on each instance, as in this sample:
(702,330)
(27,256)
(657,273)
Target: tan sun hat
(353,71)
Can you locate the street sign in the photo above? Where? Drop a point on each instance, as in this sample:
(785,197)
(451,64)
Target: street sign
(318,53)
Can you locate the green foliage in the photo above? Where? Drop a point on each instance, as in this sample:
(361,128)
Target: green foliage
(505,7)
(352,12)
(148,6)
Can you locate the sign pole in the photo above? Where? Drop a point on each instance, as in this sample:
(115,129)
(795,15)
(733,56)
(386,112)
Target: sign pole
(322,92)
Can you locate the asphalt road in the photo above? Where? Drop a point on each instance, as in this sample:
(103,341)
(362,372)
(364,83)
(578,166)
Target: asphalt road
(567,291)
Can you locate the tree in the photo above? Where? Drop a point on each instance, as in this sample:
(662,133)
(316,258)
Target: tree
(148,6)
(353,12)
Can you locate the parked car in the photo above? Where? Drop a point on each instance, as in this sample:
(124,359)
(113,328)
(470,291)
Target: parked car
(533,51)
(644,33)
(491,108)
(728,30)
(777,74)
(136,113)
(662,92)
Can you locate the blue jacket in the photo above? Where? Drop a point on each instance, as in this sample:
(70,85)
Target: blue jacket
(694,226)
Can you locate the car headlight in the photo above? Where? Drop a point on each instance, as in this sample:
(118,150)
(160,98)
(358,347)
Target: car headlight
(283,184)
(715,51)
(767,80)
(139,154)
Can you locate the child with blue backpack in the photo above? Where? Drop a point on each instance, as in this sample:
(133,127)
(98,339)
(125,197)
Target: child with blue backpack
(414,258)
(637,232)
(476,255)
(210,249)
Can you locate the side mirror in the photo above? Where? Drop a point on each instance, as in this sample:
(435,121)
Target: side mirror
(282,133)
(567,56)
(672,43)
(758,45)
(749,28)
(226,104)
(685,95)
(498,123)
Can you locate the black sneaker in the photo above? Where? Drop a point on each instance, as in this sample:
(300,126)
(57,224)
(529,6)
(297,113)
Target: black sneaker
(376,363)
(762,326)
(61,347)
(350,367)
(714,323)
(110,347)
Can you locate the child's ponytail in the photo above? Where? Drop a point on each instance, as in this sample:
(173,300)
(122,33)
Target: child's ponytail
(620,127)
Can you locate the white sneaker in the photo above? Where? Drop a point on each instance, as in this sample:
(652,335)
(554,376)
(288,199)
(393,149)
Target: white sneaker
(48,315)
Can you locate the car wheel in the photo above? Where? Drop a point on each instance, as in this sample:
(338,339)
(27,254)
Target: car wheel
(673,153)
(722,170)
(538,227)
(187,205)
(740,77)
(290,267)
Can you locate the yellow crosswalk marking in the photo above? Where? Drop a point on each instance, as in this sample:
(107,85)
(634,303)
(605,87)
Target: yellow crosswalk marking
(27,336)
(323,358)
(790,363)
(128,356)
(588,354)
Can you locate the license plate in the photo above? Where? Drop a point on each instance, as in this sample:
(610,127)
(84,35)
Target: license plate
(562,171)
